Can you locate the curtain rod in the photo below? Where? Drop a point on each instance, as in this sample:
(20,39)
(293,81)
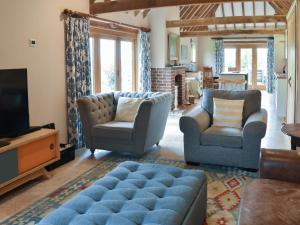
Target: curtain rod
(68,12)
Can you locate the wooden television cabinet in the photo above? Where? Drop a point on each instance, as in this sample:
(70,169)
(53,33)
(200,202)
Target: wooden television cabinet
(25,158)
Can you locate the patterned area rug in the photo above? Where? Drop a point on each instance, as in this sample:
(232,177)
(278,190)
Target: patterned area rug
(224,190)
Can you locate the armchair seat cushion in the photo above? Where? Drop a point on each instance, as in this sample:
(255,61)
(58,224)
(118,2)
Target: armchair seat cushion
(114,130)
(223,136)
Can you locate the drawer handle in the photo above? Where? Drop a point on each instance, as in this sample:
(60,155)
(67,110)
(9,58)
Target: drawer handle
(52,146)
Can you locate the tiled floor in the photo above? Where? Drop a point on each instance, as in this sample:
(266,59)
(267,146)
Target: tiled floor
(171,146)
(274,138)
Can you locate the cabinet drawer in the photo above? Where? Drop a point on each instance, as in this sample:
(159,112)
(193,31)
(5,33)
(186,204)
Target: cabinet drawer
(36,153)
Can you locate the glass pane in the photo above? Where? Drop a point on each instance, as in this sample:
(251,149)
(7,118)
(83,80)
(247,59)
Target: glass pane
(229,58)
(262,66)
(126,65)
(108,65)
(246,62)
(92,64)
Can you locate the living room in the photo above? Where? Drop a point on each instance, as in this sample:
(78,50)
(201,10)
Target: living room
(205,125)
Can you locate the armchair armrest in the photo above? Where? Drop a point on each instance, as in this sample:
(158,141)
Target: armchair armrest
(195,122)
(256,125)
(280,165)
(151,119)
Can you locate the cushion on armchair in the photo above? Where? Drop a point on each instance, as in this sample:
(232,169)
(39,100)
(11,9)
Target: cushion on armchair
(228,113)
(223,136)
(252,100)
(127,109)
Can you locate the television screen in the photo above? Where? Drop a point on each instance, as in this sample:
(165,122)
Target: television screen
(14,114)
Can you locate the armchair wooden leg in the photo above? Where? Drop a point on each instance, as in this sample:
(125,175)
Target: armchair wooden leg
(92,151)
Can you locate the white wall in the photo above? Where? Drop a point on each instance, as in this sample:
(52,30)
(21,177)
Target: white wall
(186,42)
(159,34)
(39,19)
(279,52)
(158,37)
(206,52)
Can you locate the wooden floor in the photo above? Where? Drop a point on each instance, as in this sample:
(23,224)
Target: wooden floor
(171,146)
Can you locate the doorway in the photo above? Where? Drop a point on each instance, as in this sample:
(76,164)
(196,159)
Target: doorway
(251,58)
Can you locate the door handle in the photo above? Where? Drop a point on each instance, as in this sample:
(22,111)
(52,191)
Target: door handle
(290,81)
(51,146)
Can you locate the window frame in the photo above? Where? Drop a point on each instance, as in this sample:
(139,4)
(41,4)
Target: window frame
(97,34)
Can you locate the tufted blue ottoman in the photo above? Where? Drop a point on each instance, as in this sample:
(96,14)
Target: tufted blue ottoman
(137,193)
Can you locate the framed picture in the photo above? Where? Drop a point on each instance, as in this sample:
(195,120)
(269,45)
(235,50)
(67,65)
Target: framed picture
(173,49)
(184,56)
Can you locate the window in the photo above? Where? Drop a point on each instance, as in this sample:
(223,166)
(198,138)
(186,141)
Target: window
(108,65)
(113,64)
(126,66)
(230,58)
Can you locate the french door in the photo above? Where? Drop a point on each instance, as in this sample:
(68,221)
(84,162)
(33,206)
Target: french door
(113,64)
(250,58)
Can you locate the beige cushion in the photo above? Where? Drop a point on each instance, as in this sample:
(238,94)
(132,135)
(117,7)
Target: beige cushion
(127,109)
(228,113)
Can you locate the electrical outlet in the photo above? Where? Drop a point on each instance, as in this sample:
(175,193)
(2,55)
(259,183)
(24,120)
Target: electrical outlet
(32,43)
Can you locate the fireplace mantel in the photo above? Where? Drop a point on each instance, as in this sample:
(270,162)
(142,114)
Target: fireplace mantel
(163,80)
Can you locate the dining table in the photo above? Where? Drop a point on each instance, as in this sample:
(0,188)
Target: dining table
(234,79)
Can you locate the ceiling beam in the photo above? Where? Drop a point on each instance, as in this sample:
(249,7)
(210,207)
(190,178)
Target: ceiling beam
(232,32)
(225,20)
(125,5)
(146,12)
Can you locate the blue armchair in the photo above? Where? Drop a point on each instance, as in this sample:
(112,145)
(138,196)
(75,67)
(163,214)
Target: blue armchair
(223,145)
(100,131)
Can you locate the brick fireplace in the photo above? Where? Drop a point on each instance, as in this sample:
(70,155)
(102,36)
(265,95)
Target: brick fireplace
(165,80)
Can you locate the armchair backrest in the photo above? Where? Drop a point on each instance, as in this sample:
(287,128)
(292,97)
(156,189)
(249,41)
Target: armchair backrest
(95,109)
(252,100)
(142,95)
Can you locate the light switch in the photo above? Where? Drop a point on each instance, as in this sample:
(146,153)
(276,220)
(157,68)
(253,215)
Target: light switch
(32,43)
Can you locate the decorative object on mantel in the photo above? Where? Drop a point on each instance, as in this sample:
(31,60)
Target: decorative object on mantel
(173,47)
(184,53)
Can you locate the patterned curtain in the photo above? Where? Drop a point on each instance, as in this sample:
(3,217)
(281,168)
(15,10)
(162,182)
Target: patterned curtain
(145,62)
(78,74)
(219,56)
(271,76)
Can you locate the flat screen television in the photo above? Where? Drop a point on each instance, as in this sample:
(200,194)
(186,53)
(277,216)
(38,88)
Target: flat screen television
(14,112)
